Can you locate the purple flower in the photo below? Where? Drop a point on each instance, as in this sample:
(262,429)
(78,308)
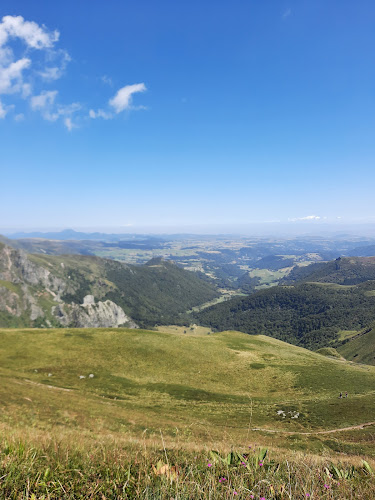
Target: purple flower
(326,486)
(235,492)
(260,464)
(209,465)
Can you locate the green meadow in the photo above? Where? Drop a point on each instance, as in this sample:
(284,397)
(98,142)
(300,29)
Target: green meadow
(117,413)
(192,386)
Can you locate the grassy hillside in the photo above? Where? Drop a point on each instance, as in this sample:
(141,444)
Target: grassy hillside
(361,347)
(143,425)
(202,385)
(309,315)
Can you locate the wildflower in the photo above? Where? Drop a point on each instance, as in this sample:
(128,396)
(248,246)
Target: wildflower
(326,486)
(243,463)
(260,464)
(262,498)
(235,492)
(209,465)
(252,496)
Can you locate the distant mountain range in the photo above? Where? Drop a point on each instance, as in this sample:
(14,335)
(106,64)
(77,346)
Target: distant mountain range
(70,234)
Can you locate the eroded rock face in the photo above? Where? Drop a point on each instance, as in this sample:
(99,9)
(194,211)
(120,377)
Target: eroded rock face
(26,286)
(92,315)
(16,267)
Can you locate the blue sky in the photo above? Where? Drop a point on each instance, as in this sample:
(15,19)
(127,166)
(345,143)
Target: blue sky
(129,114)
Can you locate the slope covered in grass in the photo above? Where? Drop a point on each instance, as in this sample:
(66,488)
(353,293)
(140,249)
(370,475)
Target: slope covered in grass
(193,387)
(361,347)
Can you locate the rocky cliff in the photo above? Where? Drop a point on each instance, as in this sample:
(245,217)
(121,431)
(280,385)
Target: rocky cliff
(33,295)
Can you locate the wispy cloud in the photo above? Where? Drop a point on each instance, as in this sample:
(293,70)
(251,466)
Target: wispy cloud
(31,33)
(287,13)
(43,101)
(123,99)
(52,111)
(307,218)
(39,62)
(100,114)
(18,74)
(107,80)
(3,111)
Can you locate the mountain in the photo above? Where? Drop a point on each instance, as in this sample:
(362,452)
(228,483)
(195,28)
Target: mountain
(342,271)
(308,315)
(82,291)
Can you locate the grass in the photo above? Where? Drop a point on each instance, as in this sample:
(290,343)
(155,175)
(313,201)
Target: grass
(159,402)
(199,387)
(268,277)
(54,466)
(360,349)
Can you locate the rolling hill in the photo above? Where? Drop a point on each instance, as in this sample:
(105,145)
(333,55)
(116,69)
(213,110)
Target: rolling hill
(309,315)
(342,271)
(133,381)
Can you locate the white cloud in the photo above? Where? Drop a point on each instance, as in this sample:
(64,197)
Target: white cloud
(307,218)
(50,73)
(69,124)
(287,13)
(59,59)
(44,100)
(11,77)
(31,33)
(123,99)
(26,68)
(100,114)
(45,103)
(17,73)
(3,111)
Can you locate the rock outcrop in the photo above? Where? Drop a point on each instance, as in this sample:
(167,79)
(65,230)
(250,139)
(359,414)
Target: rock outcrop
(91,315)
(34,294)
